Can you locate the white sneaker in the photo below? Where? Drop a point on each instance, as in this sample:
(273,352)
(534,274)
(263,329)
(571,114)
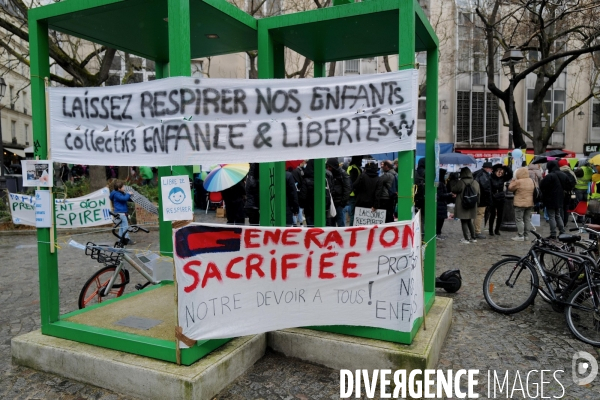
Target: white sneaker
(473,240)
(518,239)
(465,241)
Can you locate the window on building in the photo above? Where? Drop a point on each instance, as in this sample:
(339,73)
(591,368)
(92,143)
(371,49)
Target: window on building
(476,109)
(554,105)
(11,90)
(13,130)
(351,67)
(26,134)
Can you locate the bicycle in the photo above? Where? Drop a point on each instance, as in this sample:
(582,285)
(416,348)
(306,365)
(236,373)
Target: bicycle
(110,281)
(512,284)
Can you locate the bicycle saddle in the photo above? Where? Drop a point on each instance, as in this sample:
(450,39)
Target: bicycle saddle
(566,238)
(594,227)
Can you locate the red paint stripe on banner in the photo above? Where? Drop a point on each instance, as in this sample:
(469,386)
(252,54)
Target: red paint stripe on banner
(210,240)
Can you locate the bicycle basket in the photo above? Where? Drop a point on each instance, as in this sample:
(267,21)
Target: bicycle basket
(102,254)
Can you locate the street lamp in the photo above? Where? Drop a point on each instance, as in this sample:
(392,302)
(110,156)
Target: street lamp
(511,58)
(2,92)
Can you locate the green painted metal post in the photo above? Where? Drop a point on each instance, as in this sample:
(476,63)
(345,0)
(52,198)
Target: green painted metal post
(406,60)
(47,261)
(272,174)
(179,65)
(165,229)
(431,126)
(320,220)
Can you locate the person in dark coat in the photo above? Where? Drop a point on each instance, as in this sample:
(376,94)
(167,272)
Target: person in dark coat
(553,197)
(466,216)
(443,198)
(500,175)
(306,197)
(340,187)
(420,183)
(234,203)
(252,206)
(354,172)
(365,186)
(383,201)
(483,177)
(291,199)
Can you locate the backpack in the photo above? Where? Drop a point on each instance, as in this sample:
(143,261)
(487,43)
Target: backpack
(469,197)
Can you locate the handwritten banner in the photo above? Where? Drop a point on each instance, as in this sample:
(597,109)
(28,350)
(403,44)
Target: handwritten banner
(90,210)
(235,281)
(184,121)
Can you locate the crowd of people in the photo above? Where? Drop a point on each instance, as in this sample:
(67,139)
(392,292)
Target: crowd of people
(479,198)
(373,185)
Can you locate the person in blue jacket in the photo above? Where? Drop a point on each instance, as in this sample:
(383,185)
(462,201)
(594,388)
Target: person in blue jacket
(119,199)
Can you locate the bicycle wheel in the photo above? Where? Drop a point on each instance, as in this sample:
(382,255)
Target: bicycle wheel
(584,323)
(510,286)
(90,294)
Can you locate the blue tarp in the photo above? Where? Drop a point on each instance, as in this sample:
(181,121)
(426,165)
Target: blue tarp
(444,148)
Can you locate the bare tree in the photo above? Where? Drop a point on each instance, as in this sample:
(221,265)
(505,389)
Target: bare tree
(554,35)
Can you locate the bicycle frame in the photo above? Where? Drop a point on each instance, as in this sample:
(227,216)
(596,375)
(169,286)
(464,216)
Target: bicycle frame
(581,260)
(135,265)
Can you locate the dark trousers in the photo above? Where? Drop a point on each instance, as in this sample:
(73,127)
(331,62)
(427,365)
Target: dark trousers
(439,225)
(496,213)
(468,228)
(388,206)
(235,212)
(253,216)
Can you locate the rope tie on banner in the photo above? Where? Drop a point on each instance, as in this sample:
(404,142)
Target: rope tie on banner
(181,337)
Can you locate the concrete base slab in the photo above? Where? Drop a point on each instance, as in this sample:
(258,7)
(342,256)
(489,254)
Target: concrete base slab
(347,352)
(135,375)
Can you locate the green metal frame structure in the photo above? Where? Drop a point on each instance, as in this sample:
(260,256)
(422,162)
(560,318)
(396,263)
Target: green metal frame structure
(344,32)
(171,33)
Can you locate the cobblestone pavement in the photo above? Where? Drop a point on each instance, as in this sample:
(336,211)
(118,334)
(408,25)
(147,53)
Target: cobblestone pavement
(534,339)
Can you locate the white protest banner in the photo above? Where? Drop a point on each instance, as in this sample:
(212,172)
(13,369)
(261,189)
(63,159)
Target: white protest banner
(364,216)
(22,209)
(176,198)
(43,209)
(90,210)
(236,281)
(191,121)
(37,173)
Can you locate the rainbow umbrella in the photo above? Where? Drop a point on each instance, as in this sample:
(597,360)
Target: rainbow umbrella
(224,176)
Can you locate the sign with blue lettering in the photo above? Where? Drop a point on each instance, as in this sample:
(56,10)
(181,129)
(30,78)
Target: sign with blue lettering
(43,209)
(176,198)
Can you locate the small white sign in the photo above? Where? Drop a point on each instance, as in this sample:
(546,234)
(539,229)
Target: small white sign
(364,216)
(43,209)
(176,198)
(37,173)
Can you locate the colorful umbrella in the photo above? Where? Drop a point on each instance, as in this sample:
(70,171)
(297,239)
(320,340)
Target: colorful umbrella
(224,176)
